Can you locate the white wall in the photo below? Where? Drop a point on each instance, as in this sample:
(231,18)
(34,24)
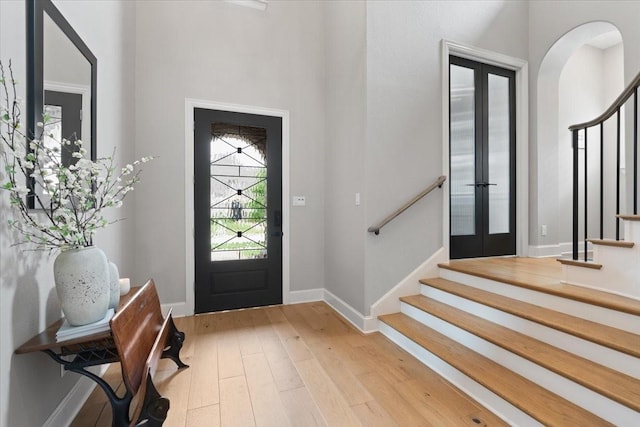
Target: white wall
(549,22)
(31,387)
(404,118)
(222,52)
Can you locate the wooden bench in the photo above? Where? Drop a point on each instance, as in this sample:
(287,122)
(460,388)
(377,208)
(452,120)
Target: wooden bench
(142,336)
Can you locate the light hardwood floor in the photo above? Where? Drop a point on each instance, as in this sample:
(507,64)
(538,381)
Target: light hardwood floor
(297,365)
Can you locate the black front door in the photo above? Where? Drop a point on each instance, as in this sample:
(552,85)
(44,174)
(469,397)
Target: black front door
(482,159)
(238,210)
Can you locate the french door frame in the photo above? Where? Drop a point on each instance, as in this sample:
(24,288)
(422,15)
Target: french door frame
(190,105)
(521,69)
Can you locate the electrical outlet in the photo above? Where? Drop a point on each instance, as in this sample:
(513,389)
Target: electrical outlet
(543,230)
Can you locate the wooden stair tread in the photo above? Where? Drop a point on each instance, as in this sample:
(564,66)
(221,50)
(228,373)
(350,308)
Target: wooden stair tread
(614,243)
(629,217)
(610,383)
(607,336)
(539,403)
(528,273)
(578,263)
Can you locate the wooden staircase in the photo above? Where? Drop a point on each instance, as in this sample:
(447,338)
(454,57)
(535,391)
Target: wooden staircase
(530,348)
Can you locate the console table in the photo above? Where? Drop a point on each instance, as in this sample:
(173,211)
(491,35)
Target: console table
(78,354)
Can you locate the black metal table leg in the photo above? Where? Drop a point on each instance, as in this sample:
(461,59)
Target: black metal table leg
(119,406)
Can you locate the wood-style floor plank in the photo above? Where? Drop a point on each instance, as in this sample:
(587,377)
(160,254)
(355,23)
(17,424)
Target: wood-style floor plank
(301,409)
(235,402)
(300,365)
(265,397)
(334,407)
(204,416)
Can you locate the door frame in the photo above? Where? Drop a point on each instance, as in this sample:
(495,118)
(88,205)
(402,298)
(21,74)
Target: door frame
(85,92)
(190,105)
(521,68)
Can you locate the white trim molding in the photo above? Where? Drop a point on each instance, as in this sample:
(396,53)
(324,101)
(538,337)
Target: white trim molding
(365,324)
(190,105)
(307,295)
(521,68)
(69,407)
(410,285)
(85,94)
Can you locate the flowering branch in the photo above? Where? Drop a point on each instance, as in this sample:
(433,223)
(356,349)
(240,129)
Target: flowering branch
(70,197)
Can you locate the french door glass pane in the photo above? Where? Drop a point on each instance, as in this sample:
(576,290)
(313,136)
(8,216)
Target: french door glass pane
(238,193)
(462,147)
(499,154)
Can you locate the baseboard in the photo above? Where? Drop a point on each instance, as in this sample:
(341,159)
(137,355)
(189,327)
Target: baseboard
(67,410)
(410,285)
(545,251)
(308,295)
(366,324)
(179,309)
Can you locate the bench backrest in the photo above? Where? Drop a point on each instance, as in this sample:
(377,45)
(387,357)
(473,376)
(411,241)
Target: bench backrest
(135,328)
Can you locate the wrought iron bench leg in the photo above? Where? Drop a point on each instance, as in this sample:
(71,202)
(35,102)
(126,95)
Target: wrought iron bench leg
(155,407)
(119,406)
(175,339)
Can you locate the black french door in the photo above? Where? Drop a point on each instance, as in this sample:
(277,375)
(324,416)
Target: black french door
(482,149)
(237,210)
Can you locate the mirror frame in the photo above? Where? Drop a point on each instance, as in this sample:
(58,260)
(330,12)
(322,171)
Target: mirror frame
(35,10)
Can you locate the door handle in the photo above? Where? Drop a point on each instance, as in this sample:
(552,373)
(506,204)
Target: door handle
(480,184)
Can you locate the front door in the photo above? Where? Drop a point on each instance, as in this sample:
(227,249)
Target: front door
(238,210)
(482,159)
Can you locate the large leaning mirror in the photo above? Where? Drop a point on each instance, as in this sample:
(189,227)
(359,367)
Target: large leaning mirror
(61,80)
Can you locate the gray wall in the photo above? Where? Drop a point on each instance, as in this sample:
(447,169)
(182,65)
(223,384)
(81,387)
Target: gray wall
(221,52)
(346,151)
(31,387)
(404,118)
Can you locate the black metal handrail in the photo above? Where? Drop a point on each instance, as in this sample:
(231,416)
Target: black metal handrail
(616,106)
(376,228)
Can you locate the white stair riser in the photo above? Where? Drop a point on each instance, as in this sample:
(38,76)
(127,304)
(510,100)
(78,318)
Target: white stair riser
(613,318)
(571,391)
(597,353)
(482,395)
(620,273)
(631,231)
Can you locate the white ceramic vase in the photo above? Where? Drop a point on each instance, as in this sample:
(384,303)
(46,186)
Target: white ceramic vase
(82,282)
(114,286)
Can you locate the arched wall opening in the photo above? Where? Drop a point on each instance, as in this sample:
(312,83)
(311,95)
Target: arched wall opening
(579,77)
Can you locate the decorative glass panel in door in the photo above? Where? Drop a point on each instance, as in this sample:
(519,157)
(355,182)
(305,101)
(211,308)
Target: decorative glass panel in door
(238,192)
(463,141)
